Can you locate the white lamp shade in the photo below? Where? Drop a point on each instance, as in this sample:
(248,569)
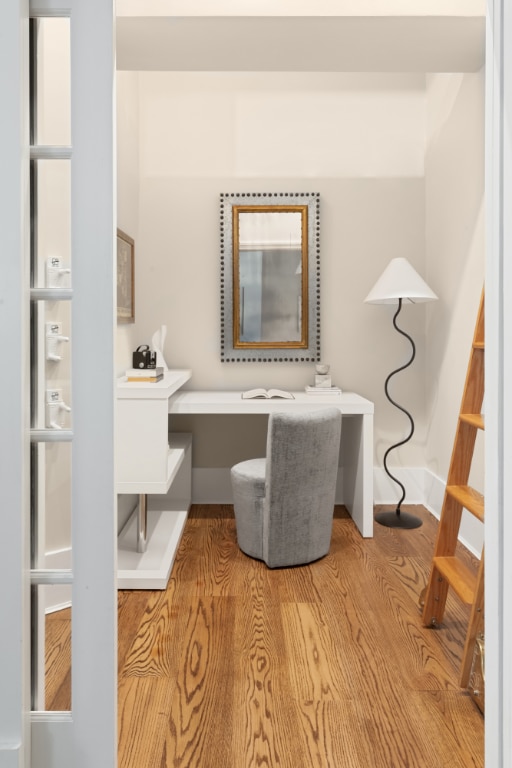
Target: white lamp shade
(400,281)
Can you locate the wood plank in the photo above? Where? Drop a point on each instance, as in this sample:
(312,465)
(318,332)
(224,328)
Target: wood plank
(460,578)
(143,721)
(475,419)
(329,664)
(470,499)
(202,701)
(58,661)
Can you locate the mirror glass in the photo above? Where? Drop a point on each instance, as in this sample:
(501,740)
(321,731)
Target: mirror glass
(270,269)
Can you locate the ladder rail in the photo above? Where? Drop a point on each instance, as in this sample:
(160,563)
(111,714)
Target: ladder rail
(447,571)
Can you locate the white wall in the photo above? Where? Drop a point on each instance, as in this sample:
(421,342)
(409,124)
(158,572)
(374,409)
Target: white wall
(127,191)
(128,186)
(359,141)
(398,162)
(455,257)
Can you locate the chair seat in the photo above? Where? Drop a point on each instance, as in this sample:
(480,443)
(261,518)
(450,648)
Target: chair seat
(252,472)
(248,483)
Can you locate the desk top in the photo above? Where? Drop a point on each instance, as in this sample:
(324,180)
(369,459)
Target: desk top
(349,403)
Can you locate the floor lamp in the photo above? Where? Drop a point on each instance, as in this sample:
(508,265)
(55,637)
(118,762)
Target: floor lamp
(399,284)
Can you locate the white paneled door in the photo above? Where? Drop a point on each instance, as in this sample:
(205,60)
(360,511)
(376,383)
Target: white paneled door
(58,544)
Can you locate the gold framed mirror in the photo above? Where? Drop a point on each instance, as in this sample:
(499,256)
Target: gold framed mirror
(270,277)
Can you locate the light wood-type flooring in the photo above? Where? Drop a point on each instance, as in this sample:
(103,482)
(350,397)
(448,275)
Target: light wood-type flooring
(237,666)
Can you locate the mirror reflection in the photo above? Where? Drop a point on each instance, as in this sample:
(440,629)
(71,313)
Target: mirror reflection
(270,272)
(270,276)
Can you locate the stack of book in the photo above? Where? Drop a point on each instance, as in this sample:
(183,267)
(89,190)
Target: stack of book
(145,374)
(323,390)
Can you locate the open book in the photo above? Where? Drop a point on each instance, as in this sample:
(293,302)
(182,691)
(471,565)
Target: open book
(267,393)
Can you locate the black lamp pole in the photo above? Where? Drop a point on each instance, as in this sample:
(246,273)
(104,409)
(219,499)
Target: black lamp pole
(399,519)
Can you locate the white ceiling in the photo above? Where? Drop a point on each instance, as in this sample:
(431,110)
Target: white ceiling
(349,43)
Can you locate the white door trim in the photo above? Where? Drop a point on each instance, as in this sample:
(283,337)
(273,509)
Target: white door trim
(88,735)
(14,434)
(498,385)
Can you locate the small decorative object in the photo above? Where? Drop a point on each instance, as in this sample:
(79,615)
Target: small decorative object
(125,278)
(144,358)
(139,375)
(57,275)
(266,393)
(158,341)
(54,338)
(322,375)
(322,390)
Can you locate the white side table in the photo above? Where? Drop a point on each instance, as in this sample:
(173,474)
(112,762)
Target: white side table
(150,461)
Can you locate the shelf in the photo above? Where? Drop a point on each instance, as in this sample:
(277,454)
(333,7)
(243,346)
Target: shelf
(151,569)
(146,390)
(178,445)
(157,467)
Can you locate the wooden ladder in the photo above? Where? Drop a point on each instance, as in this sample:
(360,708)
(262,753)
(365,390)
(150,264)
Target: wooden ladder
(447,569)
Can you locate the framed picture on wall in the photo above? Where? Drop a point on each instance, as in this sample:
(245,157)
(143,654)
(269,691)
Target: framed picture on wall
(125,278)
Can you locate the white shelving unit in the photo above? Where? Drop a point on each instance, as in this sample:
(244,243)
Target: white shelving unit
(151,462)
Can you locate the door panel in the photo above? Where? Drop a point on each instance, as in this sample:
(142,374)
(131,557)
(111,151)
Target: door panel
(73,507)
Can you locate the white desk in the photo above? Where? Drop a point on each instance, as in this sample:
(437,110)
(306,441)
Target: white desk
(356,435)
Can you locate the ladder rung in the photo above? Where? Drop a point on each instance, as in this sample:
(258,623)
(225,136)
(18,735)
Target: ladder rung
(458,576)
(470,499)
(474,419)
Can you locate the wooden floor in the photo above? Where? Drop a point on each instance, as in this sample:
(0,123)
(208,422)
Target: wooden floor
(236,665)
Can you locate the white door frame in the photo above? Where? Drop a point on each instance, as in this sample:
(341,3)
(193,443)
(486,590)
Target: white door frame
(88,735)
(498,385)
(14,418)
(93,22)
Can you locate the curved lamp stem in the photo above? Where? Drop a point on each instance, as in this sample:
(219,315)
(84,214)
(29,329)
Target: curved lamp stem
(398,519)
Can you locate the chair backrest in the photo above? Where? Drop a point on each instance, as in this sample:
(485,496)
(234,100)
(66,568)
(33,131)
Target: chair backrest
(301,471)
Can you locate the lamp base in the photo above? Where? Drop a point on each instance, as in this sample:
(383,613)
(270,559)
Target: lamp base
(398,520)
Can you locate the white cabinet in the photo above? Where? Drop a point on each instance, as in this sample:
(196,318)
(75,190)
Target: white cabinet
(151,461)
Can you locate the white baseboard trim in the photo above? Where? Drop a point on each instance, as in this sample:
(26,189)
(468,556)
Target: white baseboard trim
(57,597)
(424,487)
(471,531)
(385,491)
(213,486)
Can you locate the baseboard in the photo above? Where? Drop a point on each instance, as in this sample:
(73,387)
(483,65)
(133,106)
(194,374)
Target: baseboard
(471,531)
(57,597)
(213,486)
(385,491)
(424,487)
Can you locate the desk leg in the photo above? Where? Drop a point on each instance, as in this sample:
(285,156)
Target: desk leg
(357,462)
(142,523)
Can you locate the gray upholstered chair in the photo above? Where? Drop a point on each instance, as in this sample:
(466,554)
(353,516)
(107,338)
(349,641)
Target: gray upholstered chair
(284,503)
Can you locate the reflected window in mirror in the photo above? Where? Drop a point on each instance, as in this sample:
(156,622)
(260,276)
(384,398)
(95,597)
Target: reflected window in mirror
(270,277)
